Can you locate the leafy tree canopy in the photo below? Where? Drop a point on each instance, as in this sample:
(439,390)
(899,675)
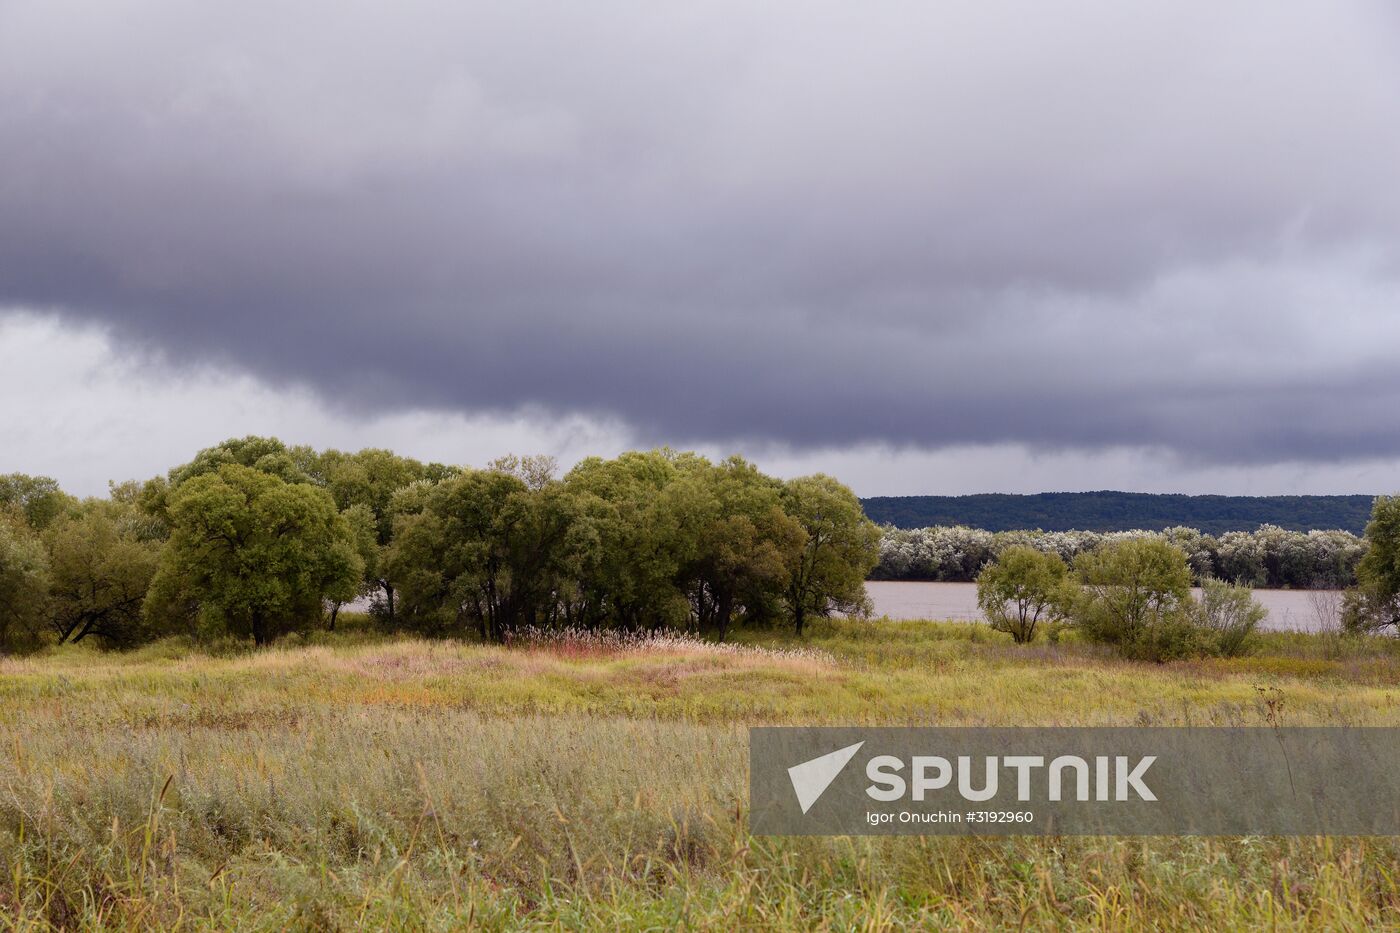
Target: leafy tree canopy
(101,562)
(1023,588)
(259,554)
(38,498)
(24,582)
(840,548)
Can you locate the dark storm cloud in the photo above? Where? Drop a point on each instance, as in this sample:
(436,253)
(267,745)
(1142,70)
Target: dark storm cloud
(1068,225)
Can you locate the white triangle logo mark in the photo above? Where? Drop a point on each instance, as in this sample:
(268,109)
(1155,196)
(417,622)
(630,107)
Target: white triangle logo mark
(811,778)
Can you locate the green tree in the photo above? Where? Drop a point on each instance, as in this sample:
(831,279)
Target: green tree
(1023,587)
(24,584)
(637,541)
(38,498)
(101,562)
(481,550)
(1375,603)
(1136,596)
(264,454)
(369,480)
(259,555)
(840,548)
(360,520)
(737,543)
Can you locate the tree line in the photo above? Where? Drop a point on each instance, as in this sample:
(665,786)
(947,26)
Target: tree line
(1266,557)
(1121,511)
(254,539)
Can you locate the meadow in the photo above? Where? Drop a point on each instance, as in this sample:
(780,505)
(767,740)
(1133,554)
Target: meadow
(349,780)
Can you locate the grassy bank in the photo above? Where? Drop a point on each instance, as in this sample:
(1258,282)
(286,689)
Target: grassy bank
(356,782)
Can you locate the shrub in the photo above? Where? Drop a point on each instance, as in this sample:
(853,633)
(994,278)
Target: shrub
(1136,596)
(1230,615)
(1021,589)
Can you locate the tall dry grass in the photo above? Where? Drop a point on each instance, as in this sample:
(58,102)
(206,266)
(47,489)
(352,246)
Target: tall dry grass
(433,785)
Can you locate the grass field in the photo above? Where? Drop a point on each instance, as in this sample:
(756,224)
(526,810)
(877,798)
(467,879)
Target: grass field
(352,782)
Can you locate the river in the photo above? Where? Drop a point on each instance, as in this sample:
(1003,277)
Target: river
(1288,609)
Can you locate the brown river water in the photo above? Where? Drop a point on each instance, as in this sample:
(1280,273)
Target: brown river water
(1288,609)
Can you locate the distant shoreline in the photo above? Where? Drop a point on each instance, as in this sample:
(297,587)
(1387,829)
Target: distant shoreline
(1110,510)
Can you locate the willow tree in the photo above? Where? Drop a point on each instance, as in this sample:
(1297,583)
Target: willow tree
(737,544)
(101,562)
(1022,588)
(1374,604)
(481,550)
(23,584)
(257,554)
(626,576)
(839,549)
(364,485)
(38,499)
(1135,594)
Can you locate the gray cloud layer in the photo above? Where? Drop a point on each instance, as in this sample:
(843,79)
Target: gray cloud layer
(1067,225)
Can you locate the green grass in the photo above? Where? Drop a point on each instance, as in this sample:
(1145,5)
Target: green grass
(351,782)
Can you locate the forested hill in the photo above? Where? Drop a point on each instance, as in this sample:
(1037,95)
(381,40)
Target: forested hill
(1121,511)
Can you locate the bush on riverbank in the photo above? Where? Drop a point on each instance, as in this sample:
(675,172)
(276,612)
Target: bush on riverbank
(1134,595)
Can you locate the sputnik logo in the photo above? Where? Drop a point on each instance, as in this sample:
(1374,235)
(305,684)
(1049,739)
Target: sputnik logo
(811,778)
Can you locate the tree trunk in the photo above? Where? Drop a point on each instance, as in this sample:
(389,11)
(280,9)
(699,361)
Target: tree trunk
(259,630)
(799,614)
(389,599)
(67,632)
(83,632)
(723,610)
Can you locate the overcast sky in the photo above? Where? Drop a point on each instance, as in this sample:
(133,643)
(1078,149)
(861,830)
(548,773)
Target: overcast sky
(928,247)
